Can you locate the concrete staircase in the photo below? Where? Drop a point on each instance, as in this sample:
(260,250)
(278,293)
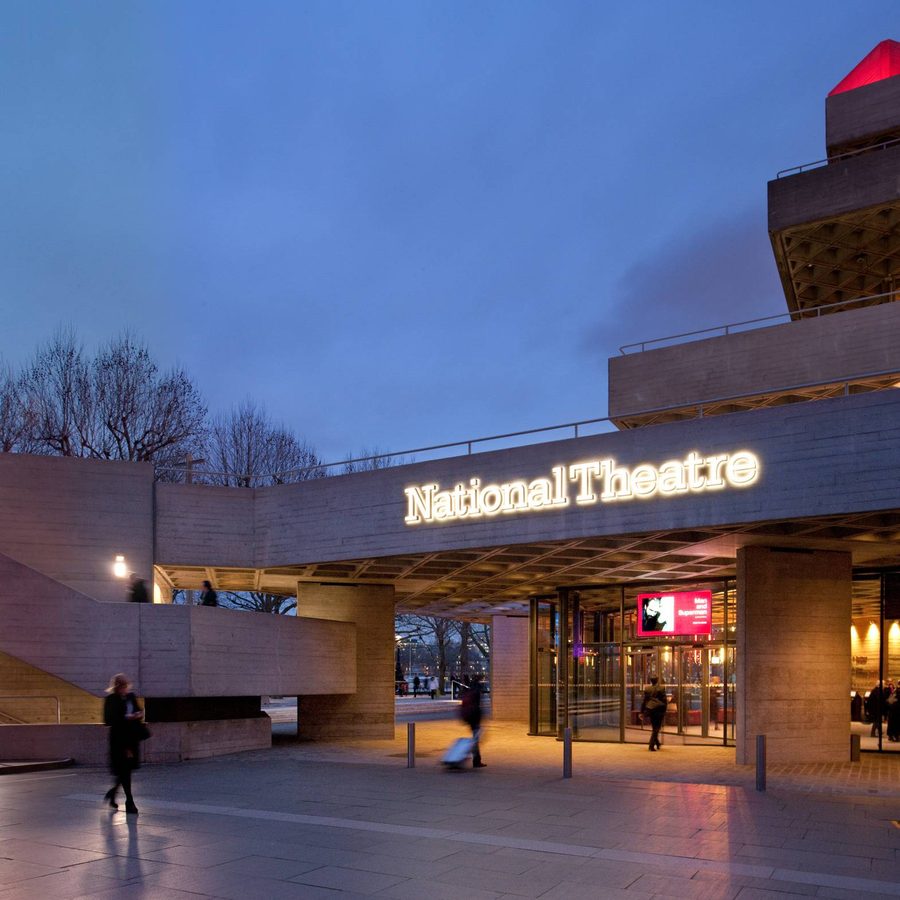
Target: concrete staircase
(29,695)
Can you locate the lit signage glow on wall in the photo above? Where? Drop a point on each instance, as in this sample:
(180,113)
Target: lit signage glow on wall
(678,612)
(589,482)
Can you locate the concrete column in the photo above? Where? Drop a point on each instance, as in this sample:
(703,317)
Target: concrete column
(509,669)
(793,654)
(368,713)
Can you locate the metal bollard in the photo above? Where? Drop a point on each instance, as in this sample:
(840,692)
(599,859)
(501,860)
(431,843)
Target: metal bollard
(854,748)
(410,745)
(567,753)
(760,762)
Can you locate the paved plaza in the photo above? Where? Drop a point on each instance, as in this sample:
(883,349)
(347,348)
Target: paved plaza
(313,820)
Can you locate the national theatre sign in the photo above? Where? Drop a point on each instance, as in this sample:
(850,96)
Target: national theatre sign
(592,481)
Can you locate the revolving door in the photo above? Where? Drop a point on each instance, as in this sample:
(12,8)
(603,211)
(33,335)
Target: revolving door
(591,662)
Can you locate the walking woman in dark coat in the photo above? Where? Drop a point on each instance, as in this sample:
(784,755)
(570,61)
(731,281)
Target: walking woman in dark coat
(123,715)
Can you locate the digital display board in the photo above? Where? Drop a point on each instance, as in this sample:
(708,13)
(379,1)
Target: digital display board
(674,613)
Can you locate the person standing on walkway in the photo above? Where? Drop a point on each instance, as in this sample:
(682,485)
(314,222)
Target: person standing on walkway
(892,705)
(208,597)
(138,591)
(433,686)
(416,685)
(875,707)
(470,711)
(654,708)
(123,715)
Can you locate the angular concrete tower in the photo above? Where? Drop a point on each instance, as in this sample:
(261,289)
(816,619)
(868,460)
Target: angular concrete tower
(835,224)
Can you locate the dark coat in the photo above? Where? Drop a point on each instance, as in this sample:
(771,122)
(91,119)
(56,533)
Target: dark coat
(876,702)
(470,709)
(656,693)
(124,734)
(209,598)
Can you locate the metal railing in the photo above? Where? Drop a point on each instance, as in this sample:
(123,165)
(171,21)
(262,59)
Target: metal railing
(796,170)
(577,428)
(722,330)
(34,697)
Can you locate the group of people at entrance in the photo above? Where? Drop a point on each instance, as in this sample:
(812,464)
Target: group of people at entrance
(883,704)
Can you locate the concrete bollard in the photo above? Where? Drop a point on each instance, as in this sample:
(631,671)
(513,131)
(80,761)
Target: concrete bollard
(567,753)
(760,762)
(854,748)
(410,745)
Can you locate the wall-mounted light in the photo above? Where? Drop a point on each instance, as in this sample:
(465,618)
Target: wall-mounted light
(120,570)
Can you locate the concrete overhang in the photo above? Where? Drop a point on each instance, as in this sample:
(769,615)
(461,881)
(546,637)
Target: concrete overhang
(835,230)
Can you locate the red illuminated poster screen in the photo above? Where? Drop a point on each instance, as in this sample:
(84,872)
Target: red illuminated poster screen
(675,612)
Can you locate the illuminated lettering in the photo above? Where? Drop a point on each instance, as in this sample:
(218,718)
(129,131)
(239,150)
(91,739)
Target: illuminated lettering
(585,472)
(617,480)
(742,469)
(671,478)
(695,473)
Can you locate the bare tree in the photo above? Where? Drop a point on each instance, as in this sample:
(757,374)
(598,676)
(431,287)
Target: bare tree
(257,601)
(115,406)
(16,418)
(55,385)
(435,634)
(246,449)
(368,460)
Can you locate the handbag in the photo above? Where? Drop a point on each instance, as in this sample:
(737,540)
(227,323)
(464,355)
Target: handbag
(142,731)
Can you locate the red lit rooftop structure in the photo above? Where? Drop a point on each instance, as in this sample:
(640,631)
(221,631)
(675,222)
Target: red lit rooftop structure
(883,62)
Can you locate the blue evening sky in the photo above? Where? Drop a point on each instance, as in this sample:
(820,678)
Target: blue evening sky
(399,223)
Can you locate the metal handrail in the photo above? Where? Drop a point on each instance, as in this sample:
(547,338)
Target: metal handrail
(726,329)
(34,697)
(830,159)
(846,381)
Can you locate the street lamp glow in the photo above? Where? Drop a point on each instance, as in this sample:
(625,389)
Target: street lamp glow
(120,570)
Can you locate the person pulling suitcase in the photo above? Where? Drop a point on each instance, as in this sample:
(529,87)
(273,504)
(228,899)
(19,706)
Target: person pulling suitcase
(470,711)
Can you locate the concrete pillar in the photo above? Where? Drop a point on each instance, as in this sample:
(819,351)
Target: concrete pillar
(368,713)
(509,669)
(793,654)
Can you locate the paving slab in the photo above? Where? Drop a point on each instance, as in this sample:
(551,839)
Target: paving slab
(305,820)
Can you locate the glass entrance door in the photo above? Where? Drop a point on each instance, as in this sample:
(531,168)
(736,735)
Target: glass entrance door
(875,660)
(589,670)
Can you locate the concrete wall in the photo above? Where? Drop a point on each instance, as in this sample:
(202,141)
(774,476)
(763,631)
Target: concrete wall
(68,518)
(170,742)
(370,711)
(64,633)
(169,651)
(858,116)
(87,744)
(205,526)
(840,187)
(793,654)
(827,349)
(177,741)
(18,679)
(821,458)
(827,457)
(510,672)
(214,652)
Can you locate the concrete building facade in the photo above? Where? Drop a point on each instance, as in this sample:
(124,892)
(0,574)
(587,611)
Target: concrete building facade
(733,528)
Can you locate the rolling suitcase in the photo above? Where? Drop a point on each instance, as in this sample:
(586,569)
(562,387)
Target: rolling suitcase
(458,752)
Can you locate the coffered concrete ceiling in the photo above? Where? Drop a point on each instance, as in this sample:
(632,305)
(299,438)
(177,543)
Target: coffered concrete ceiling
(474,584)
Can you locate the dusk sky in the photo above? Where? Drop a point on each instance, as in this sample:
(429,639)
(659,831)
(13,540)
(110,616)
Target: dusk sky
(403,223)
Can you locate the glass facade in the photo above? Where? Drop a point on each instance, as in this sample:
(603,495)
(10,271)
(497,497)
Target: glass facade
(875,660)
(590,667)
